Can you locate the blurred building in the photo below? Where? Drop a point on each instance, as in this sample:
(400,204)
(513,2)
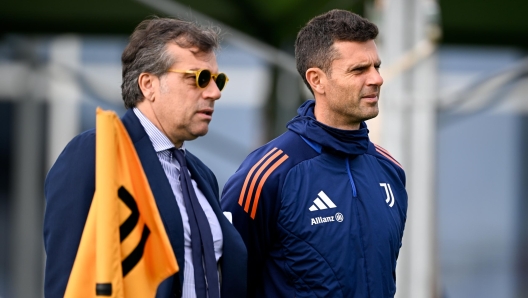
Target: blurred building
(472,184)
(482,169)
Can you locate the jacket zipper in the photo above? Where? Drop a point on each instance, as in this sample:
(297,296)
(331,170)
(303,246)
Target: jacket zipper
(354,192)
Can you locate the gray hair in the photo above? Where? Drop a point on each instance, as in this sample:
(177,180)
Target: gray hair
(147,50)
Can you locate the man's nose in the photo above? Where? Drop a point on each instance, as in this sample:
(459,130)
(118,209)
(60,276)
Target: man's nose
(375,78)
(211,91)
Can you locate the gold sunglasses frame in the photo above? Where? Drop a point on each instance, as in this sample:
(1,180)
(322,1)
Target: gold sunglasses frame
(197,75)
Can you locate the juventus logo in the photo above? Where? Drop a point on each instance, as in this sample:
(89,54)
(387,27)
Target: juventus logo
(388,191)
(127,227)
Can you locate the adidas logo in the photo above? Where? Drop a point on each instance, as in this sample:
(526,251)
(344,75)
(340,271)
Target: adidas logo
(322,202)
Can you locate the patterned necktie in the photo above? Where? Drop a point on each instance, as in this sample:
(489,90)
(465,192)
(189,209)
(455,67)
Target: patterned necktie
(201,237)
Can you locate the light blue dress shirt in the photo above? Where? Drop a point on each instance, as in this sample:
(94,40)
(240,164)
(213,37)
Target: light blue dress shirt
(170,165)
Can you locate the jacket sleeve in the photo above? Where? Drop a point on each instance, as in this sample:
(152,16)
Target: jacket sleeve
(252,195)
(69,189)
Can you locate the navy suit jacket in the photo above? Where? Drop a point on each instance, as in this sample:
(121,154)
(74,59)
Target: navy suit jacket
(69,189)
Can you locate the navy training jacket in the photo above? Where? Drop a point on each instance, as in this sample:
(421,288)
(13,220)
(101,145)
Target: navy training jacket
(321,211)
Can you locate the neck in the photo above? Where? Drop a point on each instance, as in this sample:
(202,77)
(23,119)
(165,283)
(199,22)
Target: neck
(146,109)
(323,115)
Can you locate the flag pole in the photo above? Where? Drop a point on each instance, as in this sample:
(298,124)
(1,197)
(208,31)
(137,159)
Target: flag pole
(107,208)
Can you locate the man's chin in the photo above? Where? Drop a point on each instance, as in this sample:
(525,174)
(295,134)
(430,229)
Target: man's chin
(199,132)
(370,114)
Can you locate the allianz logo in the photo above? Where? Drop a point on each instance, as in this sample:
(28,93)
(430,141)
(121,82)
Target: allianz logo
(338,217)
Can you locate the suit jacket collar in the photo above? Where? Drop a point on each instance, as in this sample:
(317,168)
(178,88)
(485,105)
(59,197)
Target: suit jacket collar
(234,253)
(159,184)
(233,263)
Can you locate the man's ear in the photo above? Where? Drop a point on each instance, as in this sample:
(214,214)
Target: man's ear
(317,79)
(147,83)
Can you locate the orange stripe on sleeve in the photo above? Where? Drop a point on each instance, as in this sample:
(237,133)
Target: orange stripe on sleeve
(255,178)
(379,148)
(387,154)
(262,181)
(241,199)
(382,149)
(389,157)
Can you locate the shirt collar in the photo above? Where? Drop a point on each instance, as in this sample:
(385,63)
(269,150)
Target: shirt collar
(159,140)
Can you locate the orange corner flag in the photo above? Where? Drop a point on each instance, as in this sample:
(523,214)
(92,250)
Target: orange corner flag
(124,250)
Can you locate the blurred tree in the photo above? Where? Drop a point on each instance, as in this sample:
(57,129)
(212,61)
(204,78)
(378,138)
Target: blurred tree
(488,22)
(273,21)
(491,22)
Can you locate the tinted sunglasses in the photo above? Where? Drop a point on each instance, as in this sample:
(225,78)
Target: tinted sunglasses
(203,77)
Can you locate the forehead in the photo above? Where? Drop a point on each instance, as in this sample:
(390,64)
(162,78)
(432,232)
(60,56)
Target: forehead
(350,52)
(191,58)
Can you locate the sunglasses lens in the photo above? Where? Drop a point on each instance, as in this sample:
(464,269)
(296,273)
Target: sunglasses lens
(204,78)
(221,81)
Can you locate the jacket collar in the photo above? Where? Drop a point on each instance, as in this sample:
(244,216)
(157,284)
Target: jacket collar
(348,142)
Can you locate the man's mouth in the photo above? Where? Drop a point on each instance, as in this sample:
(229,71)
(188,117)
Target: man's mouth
(371,95)
(208,112)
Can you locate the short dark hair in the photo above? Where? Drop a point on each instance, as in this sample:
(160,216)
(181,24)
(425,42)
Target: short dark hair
(147,50)
(314,44)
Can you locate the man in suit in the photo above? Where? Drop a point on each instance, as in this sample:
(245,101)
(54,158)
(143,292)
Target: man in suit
(170,85)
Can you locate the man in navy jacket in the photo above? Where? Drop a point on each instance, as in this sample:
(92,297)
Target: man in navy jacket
(321,208)
(170,85)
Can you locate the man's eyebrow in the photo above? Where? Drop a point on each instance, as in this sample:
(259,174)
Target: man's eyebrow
(360,65)
(363,65)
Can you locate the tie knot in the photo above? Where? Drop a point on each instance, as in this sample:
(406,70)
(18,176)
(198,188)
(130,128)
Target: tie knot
(178,154)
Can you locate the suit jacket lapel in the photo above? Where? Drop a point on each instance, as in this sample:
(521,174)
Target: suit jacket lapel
(205,187)
(234,259)
(233,263)
(159,184)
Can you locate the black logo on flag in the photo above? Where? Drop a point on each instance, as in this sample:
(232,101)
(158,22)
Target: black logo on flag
(105,289)
(127,227)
